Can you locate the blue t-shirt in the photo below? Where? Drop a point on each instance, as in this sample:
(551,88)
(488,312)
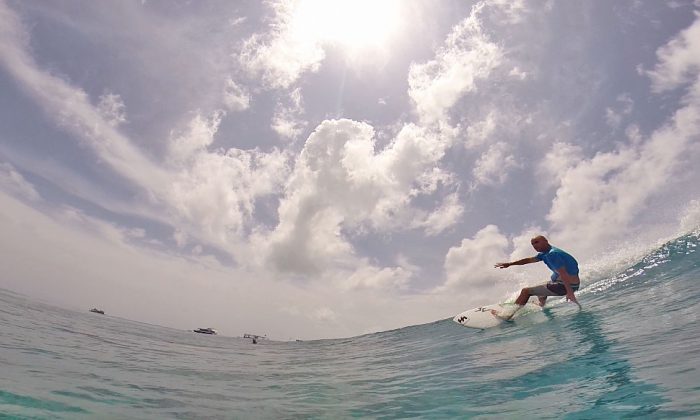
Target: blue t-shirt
(555,259)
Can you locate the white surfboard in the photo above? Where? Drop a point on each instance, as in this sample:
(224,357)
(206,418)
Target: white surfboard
(482,317)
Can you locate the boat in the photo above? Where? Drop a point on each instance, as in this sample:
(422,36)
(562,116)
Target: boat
(209,331)
(254,337)
(97,311)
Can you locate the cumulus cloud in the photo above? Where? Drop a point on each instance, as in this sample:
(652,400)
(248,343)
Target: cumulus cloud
(561,158)
(467,57)
(493,167)
(198,134)
(214,191)
(100,262)
(236,97)
(510,11)
(371,277)
(448,214)
(287,120)
(281,56)
(340,183)
(328,187)
(211,193)
(600,197)
(469,266)
(679,59)
(480,132)
(309,214)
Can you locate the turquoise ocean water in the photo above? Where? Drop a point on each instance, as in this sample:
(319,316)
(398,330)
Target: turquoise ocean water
(633,351)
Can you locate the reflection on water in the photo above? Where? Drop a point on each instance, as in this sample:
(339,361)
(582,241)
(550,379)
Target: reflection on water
(622,393)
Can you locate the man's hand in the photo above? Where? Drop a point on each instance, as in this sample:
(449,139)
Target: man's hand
(502,265)
(570,297)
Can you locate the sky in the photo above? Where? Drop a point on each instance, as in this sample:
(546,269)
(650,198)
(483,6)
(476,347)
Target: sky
(317,169)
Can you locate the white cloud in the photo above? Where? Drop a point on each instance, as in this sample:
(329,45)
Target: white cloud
(325,314)
(214,192)
(112,109)
(614,116)
(467,56)
(286,126)
(599,198)
(215,195)
(445,216)
(522,248)
(493,166)
(70,107)
(310,215)
(198,135)
(519,74)
(14,183)
(341,184)
(510,11)
(469,266)
(328,187)
(287,121)
(690,217)
(180,238)
(679,59)
(236,98)
(46,255)
(371,277)
(480,132)
(561,158)
(281,56)
(211,194)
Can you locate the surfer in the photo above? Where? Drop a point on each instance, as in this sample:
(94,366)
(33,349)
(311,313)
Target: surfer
(564,280)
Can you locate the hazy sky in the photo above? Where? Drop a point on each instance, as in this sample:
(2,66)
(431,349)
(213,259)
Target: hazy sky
(310,169)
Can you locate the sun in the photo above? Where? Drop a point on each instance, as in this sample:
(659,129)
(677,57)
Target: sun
(354,24)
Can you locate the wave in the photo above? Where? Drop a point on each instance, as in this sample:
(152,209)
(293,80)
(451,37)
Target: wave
(666,261)
(673,258)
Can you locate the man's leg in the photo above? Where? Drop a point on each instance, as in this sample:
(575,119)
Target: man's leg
(541,292)
(520,301)
(524,296)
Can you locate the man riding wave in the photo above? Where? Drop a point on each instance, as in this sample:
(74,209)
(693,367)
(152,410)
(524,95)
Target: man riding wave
(564,280)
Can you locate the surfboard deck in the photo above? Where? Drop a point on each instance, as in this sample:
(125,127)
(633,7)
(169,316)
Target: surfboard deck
(482,317)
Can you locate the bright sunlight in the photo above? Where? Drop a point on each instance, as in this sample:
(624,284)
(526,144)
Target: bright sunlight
(353,24)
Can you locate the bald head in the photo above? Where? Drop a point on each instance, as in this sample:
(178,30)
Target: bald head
(540,243)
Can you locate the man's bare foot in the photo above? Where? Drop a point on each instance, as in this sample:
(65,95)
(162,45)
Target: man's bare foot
(499,316)
(542,300)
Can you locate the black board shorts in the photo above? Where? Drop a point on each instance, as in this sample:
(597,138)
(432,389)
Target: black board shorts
(552,289)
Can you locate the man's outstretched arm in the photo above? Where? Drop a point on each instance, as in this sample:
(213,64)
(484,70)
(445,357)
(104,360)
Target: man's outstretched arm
(524,261)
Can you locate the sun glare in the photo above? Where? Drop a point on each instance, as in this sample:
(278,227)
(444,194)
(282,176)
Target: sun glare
(354,24)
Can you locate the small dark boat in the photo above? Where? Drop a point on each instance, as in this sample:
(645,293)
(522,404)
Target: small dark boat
(97,311)
(254,337)
(210,331)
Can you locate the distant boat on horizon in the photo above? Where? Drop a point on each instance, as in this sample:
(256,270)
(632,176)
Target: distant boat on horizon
(255,337)
(97,311)
(209,331)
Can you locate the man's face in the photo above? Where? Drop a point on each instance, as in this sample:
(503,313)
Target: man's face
(540,244)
